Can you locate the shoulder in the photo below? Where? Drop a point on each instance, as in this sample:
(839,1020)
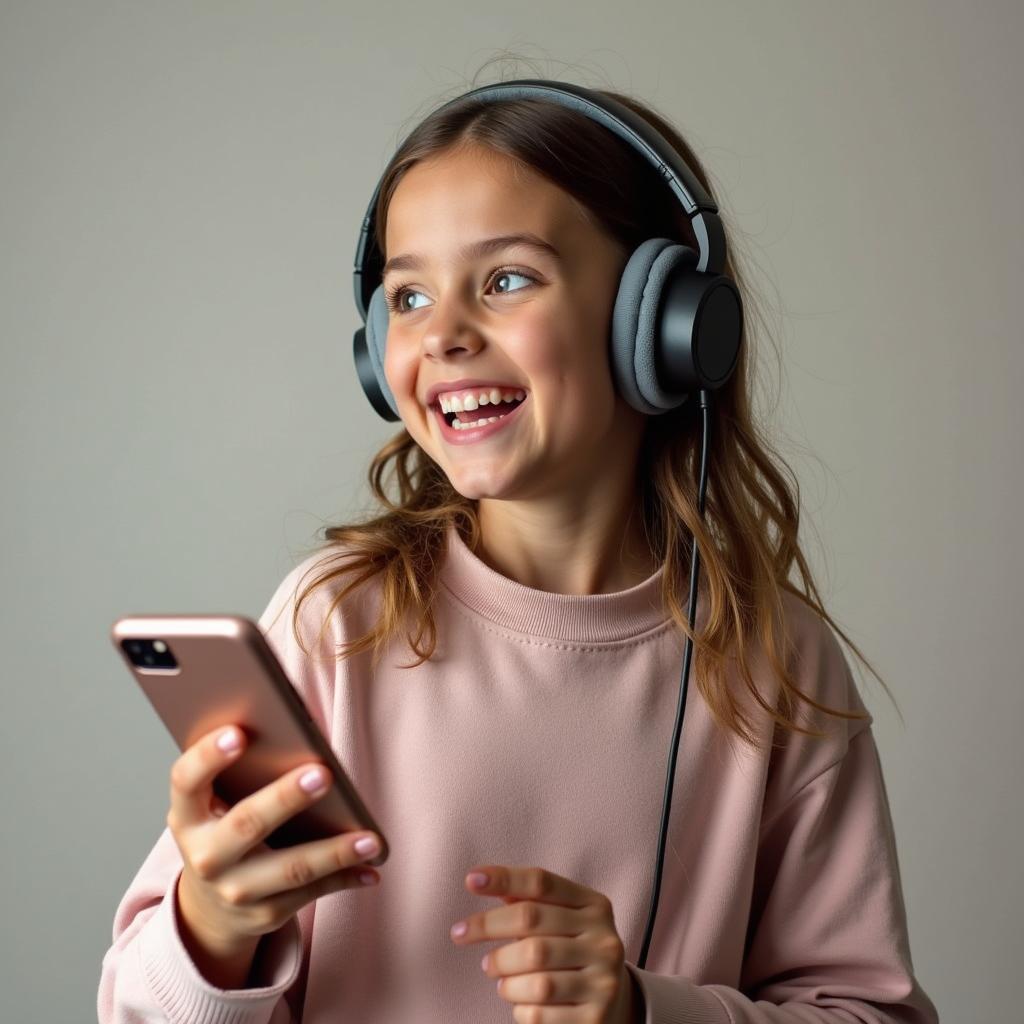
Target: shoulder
(816,658)
(322,587)
(820,670)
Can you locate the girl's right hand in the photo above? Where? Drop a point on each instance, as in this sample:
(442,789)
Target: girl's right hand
(233,887)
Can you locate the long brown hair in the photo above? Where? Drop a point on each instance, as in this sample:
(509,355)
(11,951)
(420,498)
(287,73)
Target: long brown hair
(748,540)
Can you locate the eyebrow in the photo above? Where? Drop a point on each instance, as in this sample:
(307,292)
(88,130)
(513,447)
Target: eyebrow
(474,250)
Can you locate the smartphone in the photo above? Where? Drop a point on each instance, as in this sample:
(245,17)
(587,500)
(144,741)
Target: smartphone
(204,671)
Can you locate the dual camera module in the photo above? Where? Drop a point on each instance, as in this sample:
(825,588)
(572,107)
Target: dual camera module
(149,653)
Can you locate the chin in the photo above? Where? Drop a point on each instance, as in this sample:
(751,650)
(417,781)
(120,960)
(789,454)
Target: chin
(475,483)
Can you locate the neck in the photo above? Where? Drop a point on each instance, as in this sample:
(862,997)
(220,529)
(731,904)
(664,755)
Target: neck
(595,551)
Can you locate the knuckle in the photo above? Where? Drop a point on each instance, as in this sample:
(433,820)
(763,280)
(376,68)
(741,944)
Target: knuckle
(180,775)
(545,988)
(537,884)
(202,864)
(234,894)
(298,871)
(536,954)
(245,823)
(529,915)
(611,948)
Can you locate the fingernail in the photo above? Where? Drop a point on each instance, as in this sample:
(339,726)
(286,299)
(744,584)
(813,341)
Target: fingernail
(229,741)
(478,879)
(367,846)
(458,929)
(313,781)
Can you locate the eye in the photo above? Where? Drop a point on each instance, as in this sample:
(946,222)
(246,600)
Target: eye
(396,295)
(511,273)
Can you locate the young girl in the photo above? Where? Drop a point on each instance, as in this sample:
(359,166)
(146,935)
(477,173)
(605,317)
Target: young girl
(495,660)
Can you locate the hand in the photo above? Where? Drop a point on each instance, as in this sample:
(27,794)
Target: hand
(233,887)
(569,963)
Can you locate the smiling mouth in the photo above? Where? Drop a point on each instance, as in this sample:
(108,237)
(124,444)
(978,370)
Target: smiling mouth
(480,416)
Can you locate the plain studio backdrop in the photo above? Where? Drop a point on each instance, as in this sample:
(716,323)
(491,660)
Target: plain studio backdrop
(181,188)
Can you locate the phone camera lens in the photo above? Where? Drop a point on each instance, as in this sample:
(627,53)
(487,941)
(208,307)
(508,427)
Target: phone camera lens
(149,653)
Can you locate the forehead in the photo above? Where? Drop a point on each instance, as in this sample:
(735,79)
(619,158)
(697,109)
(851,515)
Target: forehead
(459,196)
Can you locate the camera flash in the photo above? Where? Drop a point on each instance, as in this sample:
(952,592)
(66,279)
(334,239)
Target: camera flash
(159,646)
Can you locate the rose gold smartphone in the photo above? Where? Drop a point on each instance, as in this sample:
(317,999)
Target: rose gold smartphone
(204,671)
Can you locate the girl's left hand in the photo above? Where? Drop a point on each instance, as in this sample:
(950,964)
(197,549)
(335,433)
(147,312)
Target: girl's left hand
(569,963)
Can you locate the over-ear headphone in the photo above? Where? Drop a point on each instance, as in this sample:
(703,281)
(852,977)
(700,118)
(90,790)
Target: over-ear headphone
(676,328)
(677,319)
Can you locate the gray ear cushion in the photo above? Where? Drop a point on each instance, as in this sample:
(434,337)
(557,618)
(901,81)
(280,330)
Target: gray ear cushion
(634,324)
(376,336)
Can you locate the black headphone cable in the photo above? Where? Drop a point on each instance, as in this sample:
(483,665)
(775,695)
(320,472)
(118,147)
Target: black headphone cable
(705,402)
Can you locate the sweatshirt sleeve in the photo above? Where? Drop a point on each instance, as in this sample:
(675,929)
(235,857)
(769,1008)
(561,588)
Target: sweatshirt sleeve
(827,939)
(146,974)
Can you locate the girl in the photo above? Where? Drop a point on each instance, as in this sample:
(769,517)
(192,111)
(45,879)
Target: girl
(536,569)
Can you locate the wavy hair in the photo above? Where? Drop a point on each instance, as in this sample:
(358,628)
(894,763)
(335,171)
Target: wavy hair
(748,540)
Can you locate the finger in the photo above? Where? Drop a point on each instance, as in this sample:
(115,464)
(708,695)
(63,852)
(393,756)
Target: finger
(519,920)
(531,883)
(549,953)
(251,820)
(294,869)
(285,905)
(569,990)
(192,776)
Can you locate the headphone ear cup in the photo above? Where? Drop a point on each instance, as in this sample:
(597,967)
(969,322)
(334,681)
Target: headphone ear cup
(674,329)
(635,329)
(376,337)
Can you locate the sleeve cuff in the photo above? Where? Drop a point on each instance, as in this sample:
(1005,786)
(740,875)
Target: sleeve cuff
(186,997)
(677,1000)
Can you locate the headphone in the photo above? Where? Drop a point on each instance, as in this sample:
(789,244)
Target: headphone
(676,325)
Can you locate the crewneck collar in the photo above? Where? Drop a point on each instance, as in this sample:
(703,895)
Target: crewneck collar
(579,618)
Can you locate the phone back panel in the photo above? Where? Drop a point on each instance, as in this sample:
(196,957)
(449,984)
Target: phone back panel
(227,674)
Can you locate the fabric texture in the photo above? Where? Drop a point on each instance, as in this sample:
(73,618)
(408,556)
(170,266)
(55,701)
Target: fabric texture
(538,735)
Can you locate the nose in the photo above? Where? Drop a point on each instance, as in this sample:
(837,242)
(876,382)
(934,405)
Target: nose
(450,330)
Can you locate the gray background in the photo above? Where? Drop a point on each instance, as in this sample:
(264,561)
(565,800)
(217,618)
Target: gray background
(181,187)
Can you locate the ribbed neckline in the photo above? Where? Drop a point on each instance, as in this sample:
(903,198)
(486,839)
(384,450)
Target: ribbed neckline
(580,618)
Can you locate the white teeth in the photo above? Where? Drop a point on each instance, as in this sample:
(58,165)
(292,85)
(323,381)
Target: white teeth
(469,401)
(459,425)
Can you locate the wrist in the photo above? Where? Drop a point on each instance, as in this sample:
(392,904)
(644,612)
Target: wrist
(225,963)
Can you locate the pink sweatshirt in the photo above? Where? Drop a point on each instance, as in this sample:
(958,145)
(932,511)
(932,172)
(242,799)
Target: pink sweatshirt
(538,735)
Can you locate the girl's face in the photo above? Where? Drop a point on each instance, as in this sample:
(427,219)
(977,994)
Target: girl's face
(518,317)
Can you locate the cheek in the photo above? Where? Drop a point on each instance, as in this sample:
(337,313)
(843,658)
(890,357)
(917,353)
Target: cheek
(396,367)
(554,347)
(400,373)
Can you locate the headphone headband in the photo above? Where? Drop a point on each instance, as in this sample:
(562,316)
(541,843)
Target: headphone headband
(617,118)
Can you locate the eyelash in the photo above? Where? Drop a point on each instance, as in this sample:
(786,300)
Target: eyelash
(394,294)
